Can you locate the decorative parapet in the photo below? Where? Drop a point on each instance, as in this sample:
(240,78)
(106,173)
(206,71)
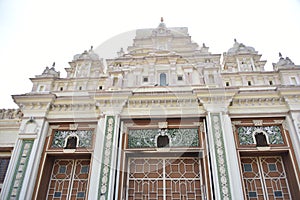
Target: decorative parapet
(147,138)
(11,114)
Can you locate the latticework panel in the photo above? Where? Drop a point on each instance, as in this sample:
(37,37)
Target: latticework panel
(275,178)
(164,179)
(265,178)
(69,179)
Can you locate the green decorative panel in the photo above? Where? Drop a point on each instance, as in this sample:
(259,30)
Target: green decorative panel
(20,169)
(85,138)
(246,136)
(146,138)
(220,153)
(106,158)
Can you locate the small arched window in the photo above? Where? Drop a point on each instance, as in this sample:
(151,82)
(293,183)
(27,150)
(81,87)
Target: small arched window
(71,142)
(163,79)
(163,141)
(41,88)
(261,140)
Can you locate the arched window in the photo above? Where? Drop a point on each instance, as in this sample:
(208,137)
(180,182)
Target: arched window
(163,141)
(163,79)
(261,140)
(71,142)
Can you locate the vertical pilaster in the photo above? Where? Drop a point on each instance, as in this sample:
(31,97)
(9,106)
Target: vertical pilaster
(108,158)
(97,159)
(232,158)
(293,122)
(23,169)
(218,157)
(17,179)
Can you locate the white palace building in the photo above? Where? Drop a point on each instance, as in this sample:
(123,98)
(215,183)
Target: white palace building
(164,120)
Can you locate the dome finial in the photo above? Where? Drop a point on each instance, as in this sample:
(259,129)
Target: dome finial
(161,19)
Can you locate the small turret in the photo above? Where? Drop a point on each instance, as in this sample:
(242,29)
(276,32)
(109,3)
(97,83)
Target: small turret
(284,63)
(241,58)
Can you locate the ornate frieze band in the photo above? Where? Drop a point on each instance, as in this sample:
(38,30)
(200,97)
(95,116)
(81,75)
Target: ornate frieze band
(106,158)
(246,134)
(20,169)
(84,136)
(146,138)
(222,170)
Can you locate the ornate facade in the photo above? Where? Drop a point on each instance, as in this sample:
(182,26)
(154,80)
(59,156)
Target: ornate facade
(166,119)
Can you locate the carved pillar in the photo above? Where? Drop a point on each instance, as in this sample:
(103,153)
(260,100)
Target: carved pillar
(220,174)
(108,161)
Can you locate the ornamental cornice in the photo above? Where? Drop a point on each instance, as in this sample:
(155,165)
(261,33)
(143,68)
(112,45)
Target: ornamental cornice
(40,102)
(292,98)
(176,102)
(35,105)
(11,114)
(258,101)
(225,100)
(72,107)
(215,103)
(111,102)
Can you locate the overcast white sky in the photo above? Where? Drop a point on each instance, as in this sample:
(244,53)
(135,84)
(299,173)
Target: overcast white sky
(35,33)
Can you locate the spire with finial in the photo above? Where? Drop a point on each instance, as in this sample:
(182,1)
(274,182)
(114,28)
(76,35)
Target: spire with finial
(161,24)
